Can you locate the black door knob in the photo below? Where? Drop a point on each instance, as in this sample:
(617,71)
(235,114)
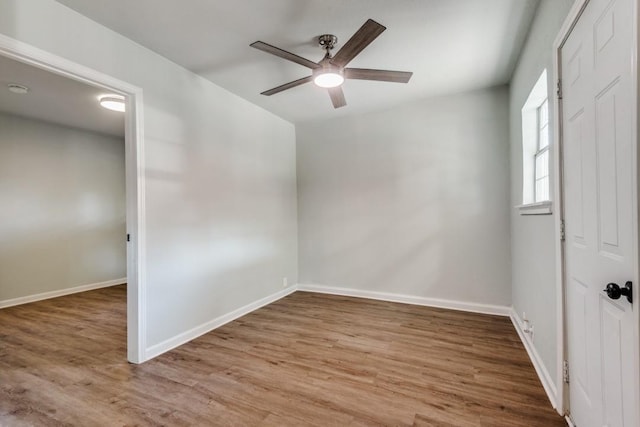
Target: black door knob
(615,292)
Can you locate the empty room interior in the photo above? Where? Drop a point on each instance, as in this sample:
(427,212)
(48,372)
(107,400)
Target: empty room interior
(338,213)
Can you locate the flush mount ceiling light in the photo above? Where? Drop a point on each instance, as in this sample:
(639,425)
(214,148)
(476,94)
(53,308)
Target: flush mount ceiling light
(16,88)
(113,102)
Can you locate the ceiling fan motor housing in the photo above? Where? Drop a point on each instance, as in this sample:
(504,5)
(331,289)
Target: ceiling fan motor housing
(327,41)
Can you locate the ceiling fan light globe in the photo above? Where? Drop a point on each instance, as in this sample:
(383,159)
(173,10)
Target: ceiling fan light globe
(329,79)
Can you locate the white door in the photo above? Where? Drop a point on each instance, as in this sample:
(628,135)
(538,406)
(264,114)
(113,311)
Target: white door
(599,174)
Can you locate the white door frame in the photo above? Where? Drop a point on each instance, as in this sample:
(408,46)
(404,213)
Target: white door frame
(134,166)
(572,18)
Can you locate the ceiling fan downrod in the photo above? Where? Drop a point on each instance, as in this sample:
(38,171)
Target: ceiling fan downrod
(327,42)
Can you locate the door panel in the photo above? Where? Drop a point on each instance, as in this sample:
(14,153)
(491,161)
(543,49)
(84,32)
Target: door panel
(574,172)
(599,185)
(578,316)
(608,208)
(612,316)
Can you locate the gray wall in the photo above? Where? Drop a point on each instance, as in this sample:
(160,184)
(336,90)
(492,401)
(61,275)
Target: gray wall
(533,237)
(62,221)
(220,174)
(409,201)
(412,200)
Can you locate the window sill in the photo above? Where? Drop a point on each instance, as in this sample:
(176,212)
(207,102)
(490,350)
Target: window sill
(539,208)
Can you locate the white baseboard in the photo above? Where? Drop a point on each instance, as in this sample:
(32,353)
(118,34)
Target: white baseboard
(497,310)
(194,333)
(546,380)
(62,292)
(178,340)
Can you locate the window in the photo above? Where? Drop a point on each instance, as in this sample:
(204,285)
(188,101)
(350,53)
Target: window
(541,158)
(536,144)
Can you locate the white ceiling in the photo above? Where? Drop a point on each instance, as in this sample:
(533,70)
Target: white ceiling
(56,99)
(450,45)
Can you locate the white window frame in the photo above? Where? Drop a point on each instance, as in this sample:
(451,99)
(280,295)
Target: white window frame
(540,151)
(532,205)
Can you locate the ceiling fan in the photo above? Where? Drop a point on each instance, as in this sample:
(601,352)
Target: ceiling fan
(331,71)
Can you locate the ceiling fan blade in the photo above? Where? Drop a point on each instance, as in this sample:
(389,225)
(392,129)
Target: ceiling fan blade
(287,86)
(380,75)
(361,39)
(337,97)
(265,47)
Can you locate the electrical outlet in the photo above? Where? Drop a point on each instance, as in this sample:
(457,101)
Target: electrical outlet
(527,328)
(285,282)
(524,316)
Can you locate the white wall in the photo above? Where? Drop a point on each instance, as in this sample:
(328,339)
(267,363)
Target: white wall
(220,174)
(62,221)
(533,237)
(409,201)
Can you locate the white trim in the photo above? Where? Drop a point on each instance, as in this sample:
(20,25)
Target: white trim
(536,360)
(498,310)
(204,328)
(134,158)
(538,95)
(136,228)
(569,421)
(539,208)
(562,398)
(61,292)
(562,395)
(568,24)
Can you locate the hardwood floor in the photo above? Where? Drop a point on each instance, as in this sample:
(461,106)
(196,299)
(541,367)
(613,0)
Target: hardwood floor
(308,359)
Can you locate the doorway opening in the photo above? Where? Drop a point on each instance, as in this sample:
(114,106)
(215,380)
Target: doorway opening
(134,235)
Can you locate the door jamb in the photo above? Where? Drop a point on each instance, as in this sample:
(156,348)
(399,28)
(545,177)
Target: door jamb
(134,167)
(565,30)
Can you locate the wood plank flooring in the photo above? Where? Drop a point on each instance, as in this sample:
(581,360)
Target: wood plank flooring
(308,359)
